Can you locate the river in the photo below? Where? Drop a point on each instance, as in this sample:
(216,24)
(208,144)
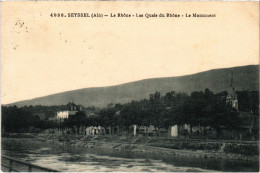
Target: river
(71,159)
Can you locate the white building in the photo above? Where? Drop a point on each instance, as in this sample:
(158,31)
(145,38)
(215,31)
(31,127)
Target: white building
(95,130)
(174,131)
(71,109)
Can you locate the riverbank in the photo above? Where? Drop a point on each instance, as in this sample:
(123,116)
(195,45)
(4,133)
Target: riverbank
(167,148)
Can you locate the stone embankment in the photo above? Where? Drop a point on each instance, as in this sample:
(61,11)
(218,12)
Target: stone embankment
(150,146)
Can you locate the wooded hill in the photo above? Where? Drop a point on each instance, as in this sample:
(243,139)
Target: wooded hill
(217,80)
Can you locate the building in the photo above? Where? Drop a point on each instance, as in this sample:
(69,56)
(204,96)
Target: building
(232,96)
(175,131)
(92,131)
(247,104)
(71,109)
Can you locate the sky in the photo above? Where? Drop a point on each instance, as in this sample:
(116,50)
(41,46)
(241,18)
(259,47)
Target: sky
(43,55)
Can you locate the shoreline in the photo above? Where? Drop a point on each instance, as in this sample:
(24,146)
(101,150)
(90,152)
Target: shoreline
(117,144)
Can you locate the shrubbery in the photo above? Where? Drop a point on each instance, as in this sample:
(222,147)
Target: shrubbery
(244,149)
(191,146)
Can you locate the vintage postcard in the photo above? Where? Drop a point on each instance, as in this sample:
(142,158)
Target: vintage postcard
(129,86)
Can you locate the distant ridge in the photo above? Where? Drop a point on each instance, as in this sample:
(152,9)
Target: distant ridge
(217,80)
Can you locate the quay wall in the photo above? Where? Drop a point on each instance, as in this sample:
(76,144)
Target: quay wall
(235,150)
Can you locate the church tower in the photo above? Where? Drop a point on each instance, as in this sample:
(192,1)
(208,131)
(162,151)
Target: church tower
(232,96)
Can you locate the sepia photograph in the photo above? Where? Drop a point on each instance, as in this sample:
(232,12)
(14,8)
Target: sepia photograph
(129,86)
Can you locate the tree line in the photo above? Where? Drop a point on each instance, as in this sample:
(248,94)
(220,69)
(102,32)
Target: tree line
(200,108)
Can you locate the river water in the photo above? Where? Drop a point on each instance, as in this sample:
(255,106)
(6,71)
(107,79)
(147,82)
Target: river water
(70,159)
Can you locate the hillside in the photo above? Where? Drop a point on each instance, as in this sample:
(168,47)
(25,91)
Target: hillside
(245,78)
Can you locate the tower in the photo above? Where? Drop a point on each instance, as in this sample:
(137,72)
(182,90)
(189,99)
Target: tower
(232,96)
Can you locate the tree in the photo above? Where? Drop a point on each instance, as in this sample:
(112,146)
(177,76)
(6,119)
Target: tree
(108,118)
(126,116)
(77,120)
(224,116)
(15,119)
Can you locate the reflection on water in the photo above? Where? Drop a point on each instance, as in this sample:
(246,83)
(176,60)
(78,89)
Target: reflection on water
(91,162)
(78,160)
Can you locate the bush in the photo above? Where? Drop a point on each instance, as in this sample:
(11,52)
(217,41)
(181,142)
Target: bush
(213,146)
(190,145)
(244,149)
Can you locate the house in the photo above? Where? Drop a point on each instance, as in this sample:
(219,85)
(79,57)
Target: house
(144,129)
(92,131)
(71,109)
(175,131)
(247,104)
